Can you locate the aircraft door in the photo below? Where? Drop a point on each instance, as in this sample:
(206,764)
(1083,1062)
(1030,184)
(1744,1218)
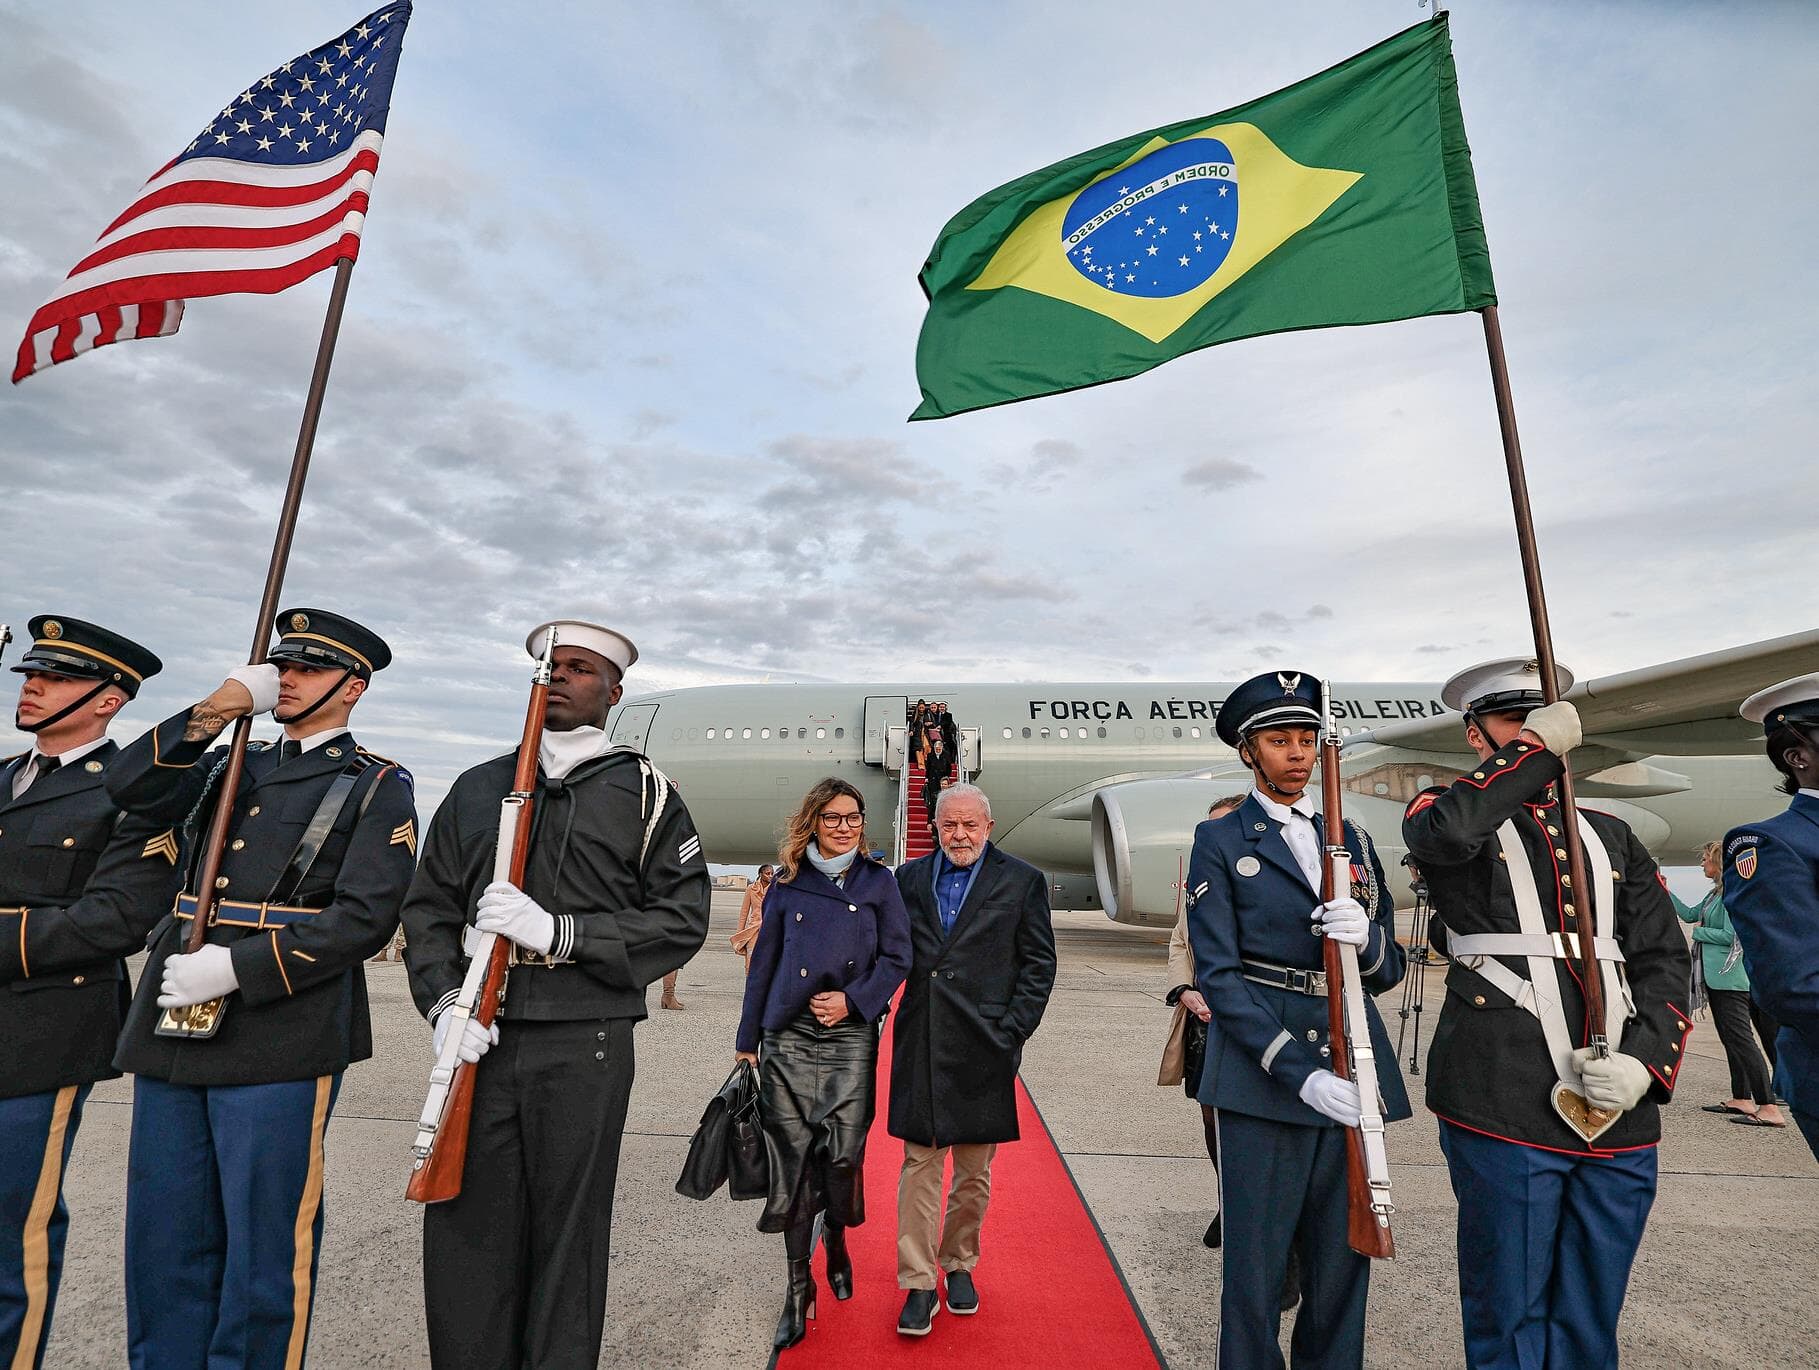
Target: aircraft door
(969,751)
(632,727)
(882,712)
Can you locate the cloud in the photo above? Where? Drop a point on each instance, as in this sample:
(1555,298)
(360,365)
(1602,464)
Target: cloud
(1220,473)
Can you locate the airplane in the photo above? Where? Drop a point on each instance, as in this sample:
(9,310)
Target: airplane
(1102,785)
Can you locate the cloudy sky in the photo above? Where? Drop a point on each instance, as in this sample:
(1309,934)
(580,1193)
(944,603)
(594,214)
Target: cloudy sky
(633,329)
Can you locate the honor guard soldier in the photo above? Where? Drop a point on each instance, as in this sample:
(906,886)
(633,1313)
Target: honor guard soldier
(615,896)
(1255,920)
(1771,887)
(239,1047)
(80,885)
(1549,1220)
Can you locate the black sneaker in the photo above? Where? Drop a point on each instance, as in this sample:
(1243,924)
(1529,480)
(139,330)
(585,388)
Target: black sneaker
(918,1313)
(962,1298)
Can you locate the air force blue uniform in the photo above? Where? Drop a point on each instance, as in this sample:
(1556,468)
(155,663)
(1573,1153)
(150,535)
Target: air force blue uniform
(1282,1165)
(1771,887)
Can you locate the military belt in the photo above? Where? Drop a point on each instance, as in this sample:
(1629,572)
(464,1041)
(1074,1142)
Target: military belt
(235,913)
(1292,978)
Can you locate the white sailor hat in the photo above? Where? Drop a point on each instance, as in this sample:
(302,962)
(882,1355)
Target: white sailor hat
(1497,686)
(1793,701)
(572,632)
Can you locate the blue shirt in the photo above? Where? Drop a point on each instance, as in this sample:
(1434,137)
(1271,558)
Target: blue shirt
(952,885)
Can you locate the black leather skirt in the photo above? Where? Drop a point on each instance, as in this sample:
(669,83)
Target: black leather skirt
(817,1092)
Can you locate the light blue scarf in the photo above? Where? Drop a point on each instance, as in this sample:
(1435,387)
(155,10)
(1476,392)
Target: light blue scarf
(833,867)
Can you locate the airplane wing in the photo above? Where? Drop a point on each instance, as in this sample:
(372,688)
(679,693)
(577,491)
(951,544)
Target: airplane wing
(1680,708)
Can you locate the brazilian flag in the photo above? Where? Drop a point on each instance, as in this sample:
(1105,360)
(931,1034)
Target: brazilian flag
(1347,198)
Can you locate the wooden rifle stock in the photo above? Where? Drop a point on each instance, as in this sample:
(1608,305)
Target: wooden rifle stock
(436,1175)
(1367,1231)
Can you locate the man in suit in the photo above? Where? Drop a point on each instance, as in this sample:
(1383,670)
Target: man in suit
(80,885)
(239,1046)
(984,965)
(1771,888)
(1255,922)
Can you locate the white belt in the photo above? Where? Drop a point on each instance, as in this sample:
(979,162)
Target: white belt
(1554,944)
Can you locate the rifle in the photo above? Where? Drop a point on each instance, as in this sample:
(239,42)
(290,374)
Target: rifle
(439,1154)
(1367,1169)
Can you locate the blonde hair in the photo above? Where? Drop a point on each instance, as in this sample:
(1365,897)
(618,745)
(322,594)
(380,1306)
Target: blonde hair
(800,830)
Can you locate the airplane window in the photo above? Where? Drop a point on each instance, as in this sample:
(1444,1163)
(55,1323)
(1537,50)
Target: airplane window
(764,732)
(839,732)
(675,735)
(802,732)
(1061,732)
(1345,732)
(693,733)
(1424,781)
(1380,788)
(821,732)
(1177,732)
(1007,732)
(746,733)
(1045,732)
(1102,732)
(1026,732)
(1193,732)
(710,734)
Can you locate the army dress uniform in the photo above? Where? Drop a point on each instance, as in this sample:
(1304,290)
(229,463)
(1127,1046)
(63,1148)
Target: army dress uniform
(1771,888)
(224,1188)
(515,1267)
(1548,1222)
(1282,1173)
(80,884)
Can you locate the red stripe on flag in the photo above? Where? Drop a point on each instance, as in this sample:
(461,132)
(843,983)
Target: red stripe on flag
(110,325)
(204,238)
(241,193)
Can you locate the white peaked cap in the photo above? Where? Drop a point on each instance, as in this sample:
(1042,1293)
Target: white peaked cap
(1514,683)
(1772,706)
(572,632)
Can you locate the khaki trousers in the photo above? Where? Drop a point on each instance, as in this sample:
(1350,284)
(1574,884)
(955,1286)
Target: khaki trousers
(919,1220)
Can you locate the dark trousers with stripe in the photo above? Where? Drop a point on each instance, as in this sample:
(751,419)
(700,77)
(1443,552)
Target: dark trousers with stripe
(1546,1242)
(1283,1185)
(36,1133)
(515,1267)
(224,1223)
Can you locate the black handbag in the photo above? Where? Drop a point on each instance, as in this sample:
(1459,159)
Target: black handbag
(748,1163)
(710,1153)
(1193,1052)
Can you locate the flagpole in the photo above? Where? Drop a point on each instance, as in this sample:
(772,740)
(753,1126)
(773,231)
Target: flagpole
(213,844)
(1579,891)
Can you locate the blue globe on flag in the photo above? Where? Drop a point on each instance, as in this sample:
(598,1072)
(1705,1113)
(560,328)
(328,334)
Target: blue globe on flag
(1161,226)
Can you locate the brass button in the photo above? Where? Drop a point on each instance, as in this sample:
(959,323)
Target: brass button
(1523,747)
(69,841)
(220,882)
(1502,857)
(1673,1046)
(1559,853)
(599,1055)
(80,980)
(1567,909)
(1477,775)
(333,751)
(1312,1035)
(239,844)
(1552,831)
(1502,762)
(92,767)
(1616,875)
(1680,1025)
(1478,999)
(934,974)
(1567,880)
(253,812)
(599,1036)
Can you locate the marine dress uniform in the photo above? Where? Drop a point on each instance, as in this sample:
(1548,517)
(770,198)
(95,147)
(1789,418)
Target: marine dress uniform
(224,1180)
(80,883)
(1282,1174)
(1548,1222)
(515,1267)
(1771,887)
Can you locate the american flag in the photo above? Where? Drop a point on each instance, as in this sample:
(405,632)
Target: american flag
(271,192)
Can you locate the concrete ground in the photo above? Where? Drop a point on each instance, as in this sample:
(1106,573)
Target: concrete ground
(1733,1239)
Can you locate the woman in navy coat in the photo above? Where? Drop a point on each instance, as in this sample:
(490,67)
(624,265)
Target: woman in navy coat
(833,949)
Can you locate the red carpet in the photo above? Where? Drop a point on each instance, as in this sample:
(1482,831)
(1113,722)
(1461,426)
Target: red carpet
(1050,1292)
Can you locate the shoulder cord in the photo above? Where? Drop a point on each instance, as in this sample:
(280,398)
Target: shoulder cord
(1370,866)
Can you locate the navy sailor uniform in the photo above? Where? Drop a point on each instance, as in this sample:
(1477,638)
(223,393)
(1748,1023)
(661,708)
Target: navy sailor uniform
(224,1187)
(80,884)
(1282,1168)
(1548,1223)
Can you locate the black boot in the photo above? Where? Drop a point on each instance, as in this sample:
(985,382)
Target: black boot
(839,1263)
(798,1305)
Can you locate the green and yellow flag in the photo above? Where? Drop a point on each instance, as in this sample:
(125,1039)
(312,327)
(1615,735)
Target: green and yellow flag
(1345,199)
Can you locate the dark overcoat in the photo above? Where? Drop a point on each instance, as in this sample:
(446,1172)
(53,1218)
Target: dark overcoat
(973,997)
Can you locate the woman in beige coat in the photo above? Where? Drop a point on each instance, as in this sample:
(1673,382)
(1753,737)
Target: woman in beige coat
(751,914)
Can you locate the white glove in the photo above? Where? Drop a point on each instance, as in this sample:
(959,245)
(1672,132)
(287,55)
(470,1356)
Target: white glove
(1615,1084)
(1343,920)
(261,683)
(476,1041)
(1327,1094)
(1557,725)
(198,977)
(513,914)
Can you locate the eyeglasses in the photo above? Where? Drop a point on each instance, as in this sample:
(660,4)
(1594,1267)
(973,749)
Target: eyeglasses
(842,820)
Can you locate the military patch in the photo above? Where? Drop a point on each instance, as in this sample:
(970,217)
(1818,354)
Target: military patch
(1745,865)
(1249,865)
(689,850)
(1748,839)
(164,844)
(405,835)
(1194,895)
(1422,802)
(299,622)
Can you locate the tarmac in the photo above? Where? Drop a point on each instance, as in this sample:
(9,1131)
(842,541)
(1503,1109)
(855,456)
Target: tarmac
(1724,1277)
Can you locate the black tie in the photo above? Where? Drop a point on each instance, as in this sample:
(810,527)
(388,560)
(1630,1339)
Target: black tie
(46,764)
(290,750)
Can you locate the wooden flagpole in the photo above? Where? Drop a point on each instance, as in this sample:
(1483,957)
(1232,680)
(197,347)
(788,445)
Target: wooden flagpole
(210,869)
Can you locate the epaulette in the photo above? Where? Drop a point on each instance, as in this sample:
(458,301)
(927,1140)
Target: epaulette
(403,774)
(261,745)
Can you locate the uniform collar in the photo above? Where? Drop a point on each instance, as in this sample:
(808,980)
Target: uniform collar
(74,754)
(1303,805)
(315,739)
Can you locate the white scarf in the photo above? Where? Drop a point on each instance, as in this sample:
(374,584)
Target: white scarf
(833,867)
(561,752)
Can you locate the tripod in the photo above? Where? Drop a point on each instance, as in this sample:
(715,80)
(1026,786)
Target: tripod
(1414,982)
